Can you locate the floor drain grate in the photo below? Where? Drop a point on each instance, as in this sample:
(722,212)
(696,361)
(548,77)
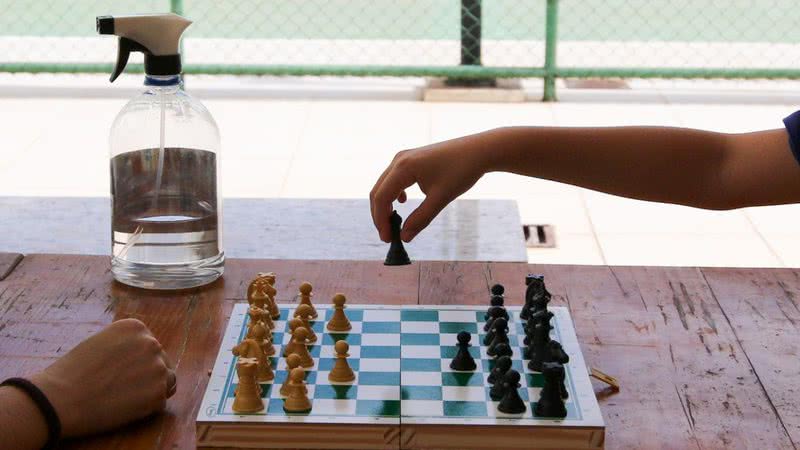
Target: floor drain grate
(539,236)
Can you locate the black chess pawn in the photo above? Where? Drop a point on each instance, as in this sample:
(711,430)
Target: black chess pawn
(463,361)
(501,366)
(511,402)
(500,335)
(495,312)
(539,317)
(536,350)
(498,289)
(397,255)
(501,350)
(535,294)
(496,300)
(551,403)
(552,352)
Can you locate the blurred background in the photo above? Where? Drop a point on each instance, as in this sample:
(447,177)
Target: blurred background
(308,93)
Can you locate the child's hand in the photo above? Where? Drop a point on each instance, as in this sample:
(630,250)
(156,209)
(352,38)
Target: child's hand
(443,171)
(116,376)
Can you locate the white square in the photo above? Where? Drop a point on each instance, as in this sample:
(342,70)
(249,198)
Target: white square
(464,393)
(457,316)
(379,365)
(421,351)
(423,408)
(379,315)
(280,326)
(420,378)
(334,407)
(380,339)
(420,327)
(328,351)
(379,392)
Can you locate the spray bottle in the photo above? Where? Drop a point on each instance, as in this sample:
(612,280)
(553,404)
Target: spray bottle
(166,210)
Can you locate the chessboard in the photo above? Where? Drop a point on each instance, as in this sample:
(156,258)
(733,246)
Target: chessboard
(405,395)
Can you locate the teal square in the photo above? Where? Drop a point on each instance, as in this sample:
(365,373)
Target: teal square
(479,316)
(380,327)
(419,316)
(535,380)
(318,326)
(353,315)
(420,365)
(450,352)
(457,327)
(336,392)
(275,407)
(332,338)
(421,392)
(378,408)
(419,339)
(379,378)
(314,350)
(464,409)
(380,351)
(462,378)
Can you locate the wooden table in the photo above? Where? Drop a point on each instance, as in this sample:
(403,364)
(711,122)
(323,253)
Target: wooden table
(707,358)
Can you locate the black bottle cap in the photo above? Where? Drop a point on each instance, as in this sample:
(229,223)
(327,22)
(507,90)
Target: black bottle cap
(105,25)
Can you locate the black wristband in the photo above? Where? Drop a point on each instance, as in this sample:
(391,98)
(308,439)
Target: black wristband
(49,413)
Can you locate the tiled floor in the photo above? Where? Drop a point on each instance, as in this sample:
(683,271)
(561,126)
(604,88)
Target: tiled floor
(337,148)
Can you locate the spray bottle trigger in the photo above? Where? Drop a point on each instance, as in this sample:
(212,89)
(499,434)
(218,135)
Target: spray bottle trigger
(126,46)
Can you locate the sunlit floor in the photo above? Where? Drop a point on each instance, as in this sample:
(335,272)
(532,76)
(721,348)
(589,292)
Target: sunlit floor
(337,148)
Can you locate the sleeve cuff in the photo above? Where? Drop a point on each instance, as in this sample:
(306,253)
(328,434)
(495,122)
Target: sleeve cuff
(792,123)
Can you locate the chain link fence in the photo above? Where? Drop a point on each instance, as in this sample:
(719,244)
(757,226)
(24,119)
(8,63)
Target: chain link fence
(460,39)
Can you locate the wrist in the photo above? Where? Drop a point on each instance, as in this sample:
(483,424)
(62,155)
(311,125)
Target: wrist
(495,147)
(22,425)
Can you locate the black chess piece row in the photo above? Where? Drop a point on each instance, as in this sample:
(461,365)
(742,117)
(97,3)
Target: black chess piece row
(544,354)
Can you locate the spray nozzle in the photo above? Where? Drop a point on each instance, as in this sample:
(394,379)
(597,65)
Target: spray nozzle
(157,36)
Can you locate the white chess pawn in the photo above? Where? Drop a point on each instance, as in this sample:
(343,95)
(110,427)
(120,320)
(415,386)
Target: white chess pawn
(341,372)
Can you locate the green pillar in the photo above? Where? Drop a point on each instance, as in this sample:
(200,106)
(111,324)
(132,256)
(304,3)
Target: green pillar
(550,46)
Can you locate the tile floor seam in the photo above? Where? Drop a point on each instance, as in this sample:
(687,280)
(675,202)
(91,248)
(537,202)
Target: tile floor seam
(297,144)
(764,240)
(591,227)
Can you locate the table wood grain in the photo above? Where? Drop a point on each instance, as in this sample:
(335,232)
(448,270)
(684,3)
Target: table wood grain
(707,358)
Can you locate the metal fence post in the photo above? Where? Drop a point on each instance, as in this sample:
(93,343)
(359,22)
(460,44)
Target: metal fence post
(176,6)
(550,46)
(471,35)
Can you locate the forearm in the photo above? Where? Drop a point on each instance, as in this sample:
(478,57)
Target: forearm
(22,425)
(650,163)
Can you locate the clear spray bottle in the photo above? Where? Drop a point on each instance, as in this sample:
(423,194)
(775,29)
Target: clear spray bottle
(166,211)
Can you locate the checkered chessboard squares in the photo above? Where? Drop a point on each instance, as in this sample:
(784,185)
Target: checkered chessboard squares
(402,362)
(374,356)
(430,389)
